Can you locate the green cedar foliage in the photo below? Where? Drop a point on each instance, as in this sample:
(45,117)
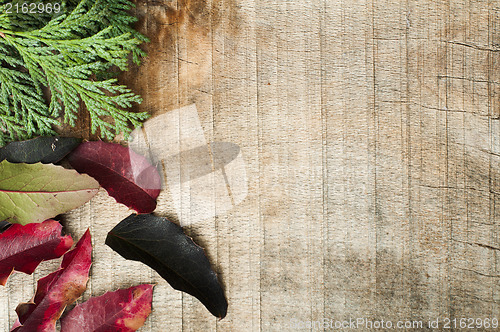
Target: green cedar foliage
(71,54)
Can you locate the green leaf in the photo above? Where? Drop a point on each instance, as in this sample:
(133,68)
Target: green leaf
(36,192)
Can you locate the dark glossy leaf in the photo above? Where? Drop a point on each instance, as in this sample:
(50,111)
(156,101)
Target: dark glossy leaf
(47,150)
(57,290)
(22,248)
(4,225)
(126,175)
(125,310)
(163,246)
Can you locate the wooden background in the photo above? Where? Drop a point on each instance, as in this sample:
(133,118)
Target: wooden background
(371,136)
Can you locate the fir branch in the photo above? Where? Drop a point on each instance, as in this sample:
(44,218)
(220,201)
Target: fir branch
(66,55)
(23,111)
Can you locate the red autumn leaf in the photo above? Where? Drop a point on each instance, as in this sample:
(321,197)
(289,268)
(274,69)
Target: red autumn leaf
(125,310)
(22,248)
(126,175)
(56,291)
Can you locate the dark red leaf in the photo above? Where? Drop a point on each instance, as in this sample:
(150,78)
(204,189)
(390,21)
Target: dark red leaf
(22,248)
(125,310)
(126,175)
(57,290)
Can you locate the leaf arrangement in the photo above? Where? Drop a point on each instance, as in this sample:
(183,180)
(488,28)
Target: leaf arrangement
(54,65)
(71,53)
(152,240)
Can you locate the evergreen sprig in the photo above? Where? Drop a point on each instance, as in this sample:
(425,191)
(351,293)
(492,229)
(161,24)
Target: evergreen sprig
(69,53)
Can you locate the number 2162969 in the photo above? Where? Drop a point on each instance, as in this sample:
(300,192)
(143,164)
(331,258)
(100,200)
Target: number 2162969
(32,8)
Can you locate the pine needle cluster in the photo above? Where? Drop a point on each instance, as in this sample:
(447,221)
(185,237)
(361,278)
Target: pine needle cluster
(70,54)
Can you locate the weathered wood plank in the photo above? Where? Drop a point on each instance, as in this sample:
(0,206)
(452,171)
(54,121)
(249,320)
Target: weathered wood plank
(370,135)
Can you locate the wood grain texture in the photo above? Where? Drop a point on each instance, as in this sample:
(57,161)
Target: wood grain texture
(371,136)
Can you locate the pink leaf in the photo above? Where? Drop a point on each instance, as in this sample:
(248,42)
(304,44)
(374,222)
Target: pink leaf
(125,310)
(22,248)
(57,290)
(126,175)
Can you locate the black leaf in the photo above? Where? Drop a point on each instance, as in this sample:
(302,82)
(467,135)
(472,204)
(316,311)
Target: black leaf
(163,246)
(47,150)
